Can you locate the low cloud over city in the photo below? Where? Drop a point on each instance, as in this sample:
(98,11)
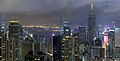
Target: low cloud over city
(52,9)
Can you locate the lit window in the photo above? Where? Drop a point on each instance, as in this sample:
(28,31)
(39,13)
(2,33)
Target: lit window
(38,59)
(35,59)
(66,30)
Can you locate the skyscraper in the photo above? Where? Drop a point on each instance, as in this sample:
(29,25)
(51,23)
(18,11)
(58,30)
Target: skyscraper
(0,48)
(66,48)
(3,40)
(76,48)
(91,25)
(66,29)
(82,34)
(111,43)
(66,42)
(57,48)
(14,41)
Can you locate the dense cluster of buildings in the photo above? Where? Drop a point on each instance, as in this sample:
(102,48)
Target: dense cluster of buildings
(17,43)
(64,43)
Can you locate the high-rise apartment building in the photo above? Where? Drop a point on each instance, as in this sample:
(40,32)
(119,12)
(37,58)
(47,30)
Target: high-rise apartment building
(14,41)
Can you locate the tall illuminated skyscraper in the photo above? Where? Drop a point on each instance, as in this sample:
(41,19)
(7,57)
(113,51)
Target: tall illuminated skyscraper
(66,48)
(14,41)
(3,45)
(66,43)
(91,25)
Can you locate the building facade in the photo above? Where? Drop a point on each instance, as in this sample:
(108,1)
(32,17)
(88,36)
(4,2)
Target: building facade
(14,53)
(91,25)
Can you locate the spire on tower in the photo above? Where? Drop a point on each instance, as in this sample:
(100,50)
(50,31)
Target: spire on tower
(92,5)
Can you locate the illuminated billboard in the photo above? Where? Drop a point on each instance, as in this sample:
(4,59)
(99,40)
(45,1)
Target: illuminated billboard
(117,37)
(105,39)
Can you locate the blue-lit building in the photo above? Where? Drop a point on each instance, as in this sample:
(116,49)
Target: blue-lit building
(2,27)
(66,29)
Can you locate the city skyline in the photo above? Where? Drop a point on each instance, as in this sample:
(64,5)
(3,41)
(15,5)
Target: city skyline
(59,30)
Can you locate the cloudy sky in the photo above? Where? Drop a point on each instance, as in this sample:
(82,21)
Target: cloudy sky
(37,12)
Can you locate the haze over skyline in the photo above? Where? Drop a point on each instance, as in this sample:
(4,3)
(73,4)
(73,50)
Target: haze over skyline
(48,11)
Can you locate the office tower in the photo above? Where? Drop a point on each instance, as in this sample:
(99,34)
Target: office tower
(3,39)
(91,25)
(2,27)
(14,41)
(117,43)
(40,56)
(57,48)
(3,46)
(66,50)
(0,48)
(2,23)
(3,36)
(117,37)
(100,32)
(113,24)
(111,43)
(60,25)
(82,34)
(26,47)
(96,49)
(22,33)
(66,43)
(62,44)
(76,48)
(29,44)
(66,29)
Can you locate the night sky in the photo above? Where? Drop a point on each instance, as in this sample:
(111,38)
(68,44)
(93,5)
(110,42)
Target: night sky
(37,12)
